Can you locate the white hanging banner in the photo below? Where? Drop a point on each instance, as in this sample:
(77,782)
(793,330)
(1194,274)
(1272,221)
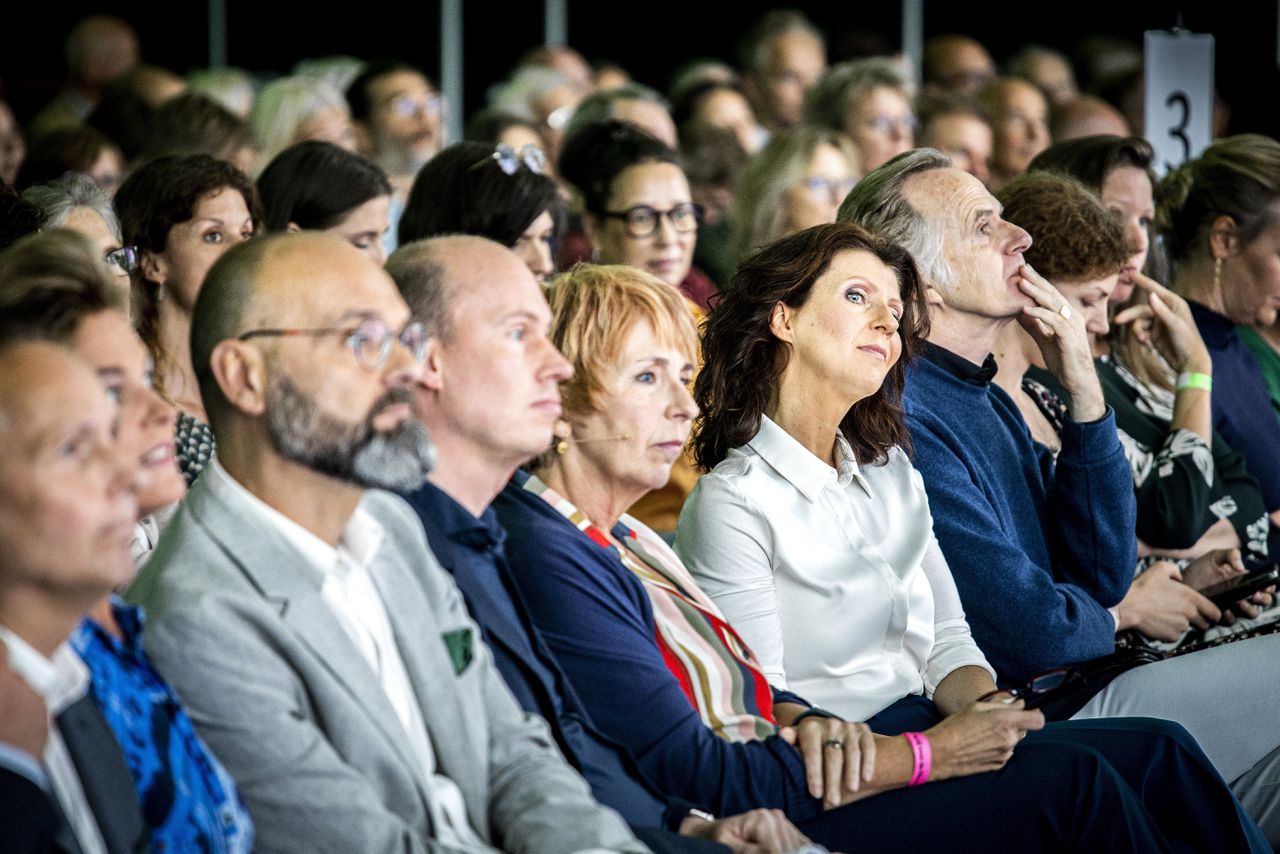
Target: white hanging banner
(1179,95)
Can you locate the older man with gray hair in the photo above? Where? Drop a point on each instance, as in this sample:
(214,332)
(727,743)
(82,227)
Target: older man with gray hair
(1043,549)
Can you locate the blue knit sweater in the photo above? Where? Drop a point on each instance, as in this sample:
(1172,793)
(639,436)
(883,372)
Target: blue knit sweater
(1039,549)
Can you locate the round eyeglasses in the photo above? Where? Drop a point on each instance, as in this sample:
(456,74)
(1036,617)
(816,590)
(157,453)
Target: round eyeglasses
(643,220)
(370,340)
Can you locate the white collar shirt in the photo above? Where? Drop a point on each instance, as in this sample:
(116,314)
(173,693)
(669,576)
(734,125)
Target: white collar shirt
(352,595)
(59,681)
(831,575)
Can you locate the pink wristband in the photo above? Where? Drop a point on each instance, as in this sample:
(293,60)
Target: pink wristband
(922,754)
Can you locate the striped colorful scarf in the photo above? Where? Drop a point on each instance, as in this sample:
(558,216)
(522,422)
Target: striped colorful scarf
(715,669)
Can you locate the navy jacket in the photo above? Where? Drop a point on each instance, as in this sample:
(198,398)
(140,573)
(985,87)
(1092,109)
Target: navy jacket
(596,618)
(1242,410)
(471,550)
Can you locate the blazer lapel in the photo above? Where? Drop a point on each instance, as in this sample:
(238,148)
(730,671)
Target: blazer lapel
(285,579)
(419,635)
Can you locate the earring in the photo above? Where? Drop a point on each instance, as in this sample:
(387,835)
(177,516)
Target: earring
(1217,274)
(562,447)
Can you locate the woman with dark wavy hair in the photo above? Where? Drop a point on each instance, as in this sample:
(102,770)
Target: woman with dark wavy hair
(812,533)
(780,282)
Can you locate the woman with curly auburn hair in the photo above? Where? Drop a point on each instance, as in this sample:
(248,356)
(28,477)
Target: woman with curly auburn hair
(1194,492)
(1089,251)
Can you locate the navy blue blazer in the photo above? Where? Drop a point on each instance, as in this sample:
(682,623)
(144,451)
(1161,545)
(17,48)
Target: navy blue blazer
(471,550)
(596,619)
(28,823)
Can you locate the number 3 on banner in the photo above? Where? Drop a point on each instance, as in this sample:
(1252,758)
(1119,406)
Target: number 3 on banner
(1179,131)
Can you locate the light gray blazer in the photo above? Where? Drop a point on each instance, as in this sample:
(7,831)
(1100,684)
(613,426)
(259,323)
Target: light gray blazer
(236,623)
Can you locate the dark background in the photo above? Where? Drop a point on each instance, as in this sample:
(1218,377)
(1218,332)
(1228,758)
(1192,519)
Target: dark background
(648,37)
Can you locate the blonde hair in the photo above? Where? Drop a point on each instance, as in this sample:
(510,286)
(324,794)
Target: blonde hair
(759,214)
(594,306)
(283,106)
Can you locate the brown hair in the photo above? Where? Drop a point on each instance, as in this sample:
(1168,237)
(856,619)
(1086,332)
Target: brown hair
(1075,239)
(1237,177)
(593,306)
(51,281)
(155,198)
(743,361)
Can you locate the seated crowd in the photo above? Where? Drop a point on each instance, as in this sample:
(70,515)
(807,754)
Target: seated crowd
(810,458)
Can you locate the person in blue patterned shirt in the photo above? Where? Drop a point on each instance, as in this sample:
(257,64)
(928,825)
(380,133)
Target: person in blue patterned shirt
(54,287)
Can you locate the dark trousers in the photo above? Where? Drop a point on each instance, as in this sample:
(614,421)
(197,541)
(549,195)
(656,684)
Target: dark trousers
(1109,785)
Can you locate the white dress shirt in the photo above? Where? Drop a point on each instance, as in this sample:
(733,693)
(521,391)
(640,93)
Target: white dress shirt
(352,595)
(59,681)
(832,576)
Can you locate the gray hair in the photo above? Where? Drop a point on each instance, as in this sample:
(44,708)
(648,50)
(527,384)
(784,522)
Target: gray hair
(597,107)
(878,204)
(57,198)
(283,106)
(516,94)
(230,87)
(844,85)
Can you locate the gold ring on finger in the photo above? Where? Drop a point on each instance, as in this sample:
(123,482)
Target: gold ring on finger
(1065,311)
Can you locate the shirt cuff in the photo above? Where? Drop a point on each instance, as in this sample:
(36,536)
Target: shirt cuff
(1091,440)
(20,762)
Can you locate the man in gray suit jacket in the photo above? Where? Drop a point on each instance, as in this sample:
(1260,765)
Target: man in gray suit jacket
(319,648)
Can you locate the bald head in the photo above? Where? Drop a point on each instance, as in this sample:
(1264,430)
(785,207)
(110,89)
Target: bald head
(957,63)
(434,274)
(1087,115)
(281,281)
(99,48)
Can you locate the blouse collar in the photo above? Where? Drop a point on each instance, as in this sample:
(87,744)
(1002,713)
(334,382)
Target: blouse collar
(797,464)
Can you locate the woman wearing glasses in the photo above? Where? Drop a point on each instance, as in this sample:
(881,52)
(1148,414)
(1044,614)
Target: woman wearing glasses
(870,100)
(75,202)
(493,191)
(798,180)
(182,213)
(637,207)
(638,210)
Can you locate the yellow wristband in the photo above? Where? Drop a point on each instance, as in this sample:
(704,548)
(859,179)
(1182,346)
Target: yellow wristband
(1194,380)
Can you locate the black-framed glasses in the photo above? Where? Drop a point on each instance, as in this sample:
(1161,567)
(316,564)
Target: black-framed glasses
(124,259)
(643,220)
(1038,685)
(370,340)
(509,159)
